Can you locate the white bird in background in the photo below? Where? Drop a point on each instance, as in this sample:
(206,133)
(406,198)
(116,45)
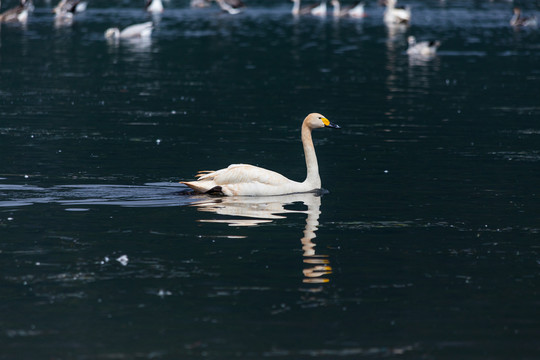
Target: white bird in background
(423,48)
(396,14)
(154,6)
(249,180)
(319,10)
(298,10)
(18,13)
(519,20)
(232,7)
(143,30)
(354,11)
(70,6)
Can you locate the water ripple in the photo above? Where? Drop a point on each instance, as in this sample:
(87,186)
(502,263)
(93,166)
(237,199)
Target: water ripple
(149,195)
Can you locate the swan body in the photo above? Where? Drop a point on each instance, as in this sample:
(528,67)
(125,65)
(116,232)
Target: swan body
(423,48)
(154,6)
(519,20)
(357,11)
(354,11)
(81,6)
(143,30)
(249,180)
(396,15)
(319,10)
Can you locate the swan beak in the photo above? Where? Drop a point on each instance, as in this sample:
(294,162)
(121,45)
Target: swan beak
(332,125)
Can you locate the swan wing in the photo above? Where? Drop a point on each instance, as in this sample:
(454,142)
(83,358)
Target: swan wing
(243,173)
(81,6)
(18,13)
(403,14)
(357,10)
(425,48)
(137,30)
(242,179)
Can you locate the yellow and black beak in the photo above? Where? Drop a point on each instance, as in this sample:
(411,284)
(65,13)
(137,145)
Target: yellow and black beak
(327,123)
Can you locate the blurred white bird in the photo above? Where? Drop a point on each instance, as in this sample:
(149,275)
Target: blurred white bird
(299,10)
(396,14)
(143,30)
(423,48)
(154,6)
(18,13)
(70,6)
(356,10)
(319,10)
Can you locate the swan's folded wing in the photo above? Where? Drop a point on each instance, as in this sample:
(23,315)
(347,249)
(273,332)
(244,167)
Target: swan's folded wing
(137,30)
(243,173)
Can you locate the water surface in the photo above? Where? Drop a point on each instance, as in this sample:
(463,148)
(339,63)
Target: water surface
(425,244)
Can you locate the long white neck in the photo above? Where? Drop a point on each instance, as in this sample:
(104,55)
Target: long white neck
(515,18)
(155,6)
(337,8)
(312,177)
(296,7)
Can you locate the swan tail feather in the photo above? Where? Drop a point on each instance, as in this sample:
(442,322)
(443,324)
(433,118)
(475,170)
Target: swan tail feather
(197,186)
(202,173)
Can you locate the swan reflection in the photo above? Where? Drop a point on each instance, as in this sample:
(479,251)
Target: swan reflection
(257,210)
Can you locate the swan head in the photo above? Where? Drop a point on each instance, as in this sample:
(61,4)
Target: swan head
(316,121)
(112,33)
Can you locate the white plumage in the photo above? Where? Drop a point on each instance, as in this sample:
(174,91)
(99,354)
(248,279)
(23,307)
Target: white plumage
(154,6)
(319,10)
(396,15)
(354,11)
(143,30)
(243,179)
(423,48)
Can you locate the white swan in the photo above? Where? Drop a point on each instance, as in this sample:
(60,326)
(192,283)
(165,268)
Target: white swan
(143,30)
(423,48)
(154,6)
(66,10)
(396,15)
(319,10)
(354,11)
(242,179)
(71,6)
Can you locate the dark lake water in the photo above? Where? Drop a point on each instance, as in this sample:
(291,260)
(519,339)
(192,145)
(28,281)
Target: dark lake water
(425,245)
